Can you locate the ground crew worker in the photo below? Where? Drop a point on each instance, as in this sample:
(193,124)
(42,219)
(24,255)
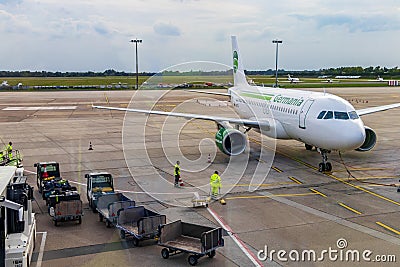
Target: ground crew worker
(9,151)
(215,183)
(1,157)
(177,173)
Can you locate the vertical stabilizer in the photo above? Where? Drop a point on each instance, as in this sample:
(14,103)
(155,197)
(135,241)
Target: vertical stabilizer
(239,78)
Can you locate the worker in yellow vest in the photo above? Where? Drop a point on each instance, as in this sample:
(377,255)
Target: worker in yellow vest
(215,183)
(177,173)
(9,151)
(1,157)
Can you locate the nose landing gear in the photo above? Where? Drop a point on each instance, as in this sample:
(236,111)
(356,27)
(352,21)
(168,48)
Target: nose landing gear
(324,166)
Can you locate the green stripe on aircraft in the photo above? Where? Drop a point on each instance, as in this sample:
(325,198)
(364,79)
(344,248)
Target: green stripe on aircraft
(258,96)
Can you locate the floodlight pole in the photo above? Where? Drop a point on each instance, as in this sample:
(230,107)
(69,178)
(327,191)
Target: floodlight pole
(277,42)
(136,41)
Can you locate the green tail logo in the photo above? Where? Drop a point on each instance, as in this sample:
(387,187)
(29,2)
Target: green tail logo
(235,61)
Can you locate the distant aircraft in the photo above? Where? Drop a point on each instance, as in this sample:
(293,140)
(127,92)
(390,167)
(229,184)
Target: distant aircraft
(293,80)
(4,83)
(379,79)
(320,120)
(347,77)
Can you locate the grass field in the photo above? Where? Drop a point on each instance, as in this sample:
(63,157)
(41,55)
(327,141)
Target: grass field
(130,81)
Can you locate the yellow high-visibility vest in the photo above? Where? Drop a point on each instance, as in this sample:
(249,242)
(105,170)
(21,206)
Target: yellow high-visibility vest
(177,170)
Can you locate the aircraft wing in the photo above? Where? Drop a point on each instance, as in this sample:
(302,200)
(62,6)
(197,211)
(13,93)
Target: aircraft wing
(366,111)
(208,92)
(245,122)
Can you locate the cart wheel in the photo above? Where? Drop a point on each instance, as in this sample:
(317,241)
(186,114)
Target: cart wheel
(136,242)
(122,234)
(55,223)
(211,254)
(206,205)
(108,224)
(100,217)
(192,260)
(79,219)
(165,253)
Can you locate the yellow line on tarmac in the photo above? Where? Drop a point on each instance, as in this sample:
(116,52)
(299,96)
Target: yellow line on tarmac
(363,169)
(364,190)
(277,169)
(349,208)
(332,176)
(265,185)
(277,195)
(317,192)
(373,177)
(388,228)
(295,180)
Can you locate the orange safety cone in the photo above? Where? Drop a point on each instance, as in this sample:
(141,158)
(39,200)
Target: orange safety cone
(181,182)
(90,146)
(209,158)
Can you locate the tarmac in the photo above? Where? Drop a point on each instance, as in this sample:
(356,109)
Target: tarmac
(295,210)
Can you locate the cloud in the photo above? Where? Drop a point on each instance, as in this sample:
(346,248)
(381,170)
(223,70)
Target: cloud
(362,23)
(166,29)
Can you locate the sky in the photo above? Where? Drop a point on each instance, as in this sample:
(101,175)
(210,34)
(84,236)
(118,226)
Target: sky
(88,35)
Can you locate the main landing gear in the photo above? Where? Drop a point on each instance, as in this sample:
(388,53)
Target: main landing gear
(324,166)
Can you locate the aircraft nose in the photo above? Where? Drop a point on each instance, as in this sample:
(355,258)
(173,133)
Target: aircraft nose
(353,135)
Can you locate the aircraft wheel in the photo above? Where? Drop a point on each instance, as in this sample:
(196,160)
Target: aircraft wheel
(321,167)
(328,167)
(308,147)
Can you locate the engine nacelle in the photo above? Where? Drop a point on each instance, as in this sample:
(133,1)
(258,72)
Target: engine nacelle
(230,141)
(370,140)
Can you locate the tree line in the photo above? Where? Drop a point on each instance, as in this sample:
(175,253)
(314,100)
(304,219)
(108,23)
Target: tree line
(364,72)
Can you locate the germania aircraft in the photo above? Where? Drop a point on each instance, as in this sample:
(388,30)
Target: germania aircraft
(317,119)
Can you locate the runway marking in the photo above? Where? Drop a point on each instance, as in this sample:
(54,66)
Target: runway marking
(349,208)
(332,176)
(261,185)
(39,108)
(238,242)
(364,190)
(388,228)
(277,195)
(336,219)
(295,180)
(276,169)
(373,177)
(317,192)
(364,169)
(41,250)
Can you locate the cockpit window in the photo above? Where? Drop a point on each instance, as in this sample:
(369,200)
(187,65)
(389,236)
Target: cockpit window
(328,115)
(321,114)
(353,115)
(341,115)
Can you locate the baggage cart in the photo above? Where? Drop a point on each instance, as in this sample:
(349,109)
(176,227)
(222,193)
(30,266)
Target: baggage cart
(197,240)
(139,223)
(103,203)
(68,210)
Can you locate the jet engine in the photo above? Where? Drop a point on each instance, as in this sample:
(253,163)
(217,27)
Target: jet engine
(370,140)
(230,141)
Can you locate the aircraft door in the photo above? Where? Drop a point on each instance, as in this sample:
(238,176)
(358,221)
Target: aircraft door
(303,113)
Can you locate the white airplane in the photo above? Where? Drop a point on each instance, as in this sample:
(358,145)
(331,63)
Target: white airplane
(293,80)
(320,120)
(379,79)
(4,83)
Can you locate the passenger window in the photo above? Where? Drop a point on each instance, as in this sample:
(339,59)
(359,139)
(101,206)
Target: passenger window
(321,114)
(341,115)
(353,115)
(328,115)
